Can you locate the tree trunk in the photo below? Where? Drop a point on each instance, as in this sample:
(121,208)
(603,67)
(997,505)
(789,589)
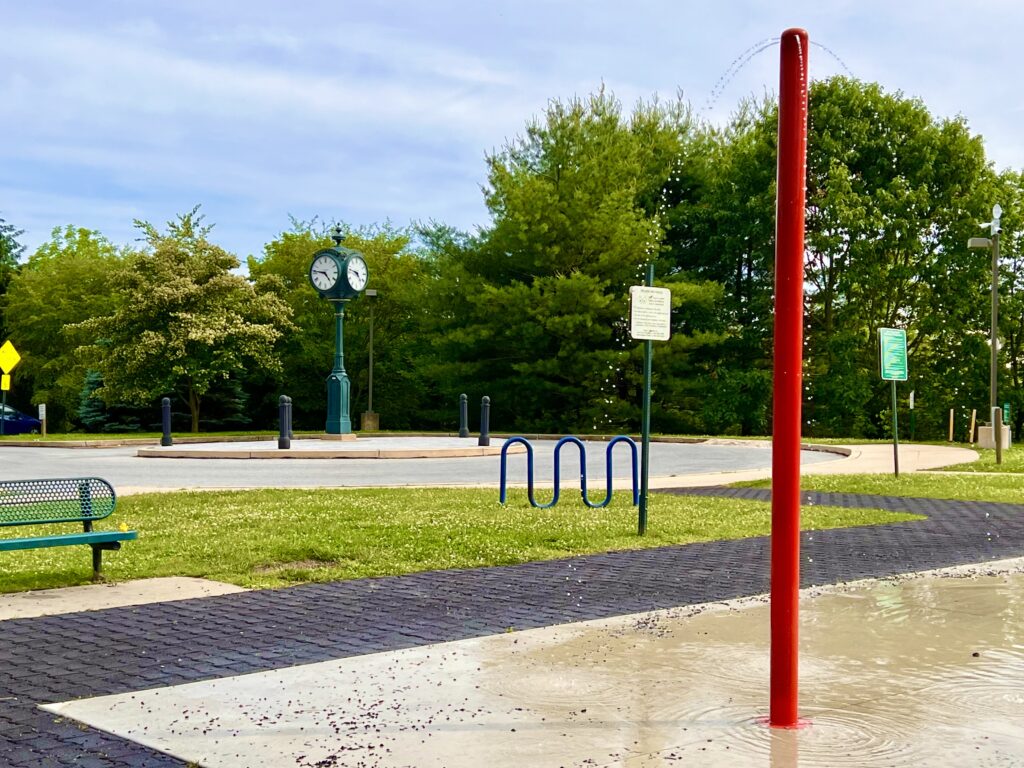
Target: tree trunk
(193,406)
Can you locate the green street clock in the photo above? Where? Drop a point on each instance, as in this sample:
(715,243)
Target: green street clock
(338,274)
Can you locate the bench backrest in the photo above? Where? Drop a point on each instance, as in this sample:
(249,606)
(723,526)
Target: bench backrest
(61,500)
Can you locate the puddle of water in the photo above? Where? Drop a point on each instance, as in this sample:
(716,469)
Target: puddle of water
(929,671)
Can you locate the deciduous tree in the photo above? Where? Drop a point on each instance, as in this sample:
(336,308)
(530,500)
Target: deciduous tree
(67,280)
(10,252)
(186,321)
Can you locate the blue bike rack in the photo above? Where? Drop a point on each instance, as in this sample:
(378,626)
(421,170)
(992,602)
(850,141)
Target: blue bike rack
(583,470)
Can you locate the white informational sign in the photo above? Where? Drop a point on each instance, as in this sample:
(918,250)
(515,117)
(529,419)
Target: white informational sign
(650,313)
(42,411)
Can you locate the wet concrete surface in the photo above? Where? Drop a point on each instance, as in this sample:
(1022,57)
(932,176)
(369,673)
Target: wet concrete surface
(896,672)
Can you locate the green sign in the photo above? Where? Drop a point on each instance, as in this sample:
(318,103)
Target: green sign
(1006,413)
(893,345)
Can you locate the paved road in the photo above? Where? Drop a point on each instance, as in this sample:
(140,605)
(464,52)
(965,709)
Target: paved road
(126,471)
(57,658)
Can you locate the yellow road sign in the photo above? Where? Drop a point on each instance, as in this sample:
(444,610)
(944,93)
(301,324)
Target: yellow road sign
(9,357)
(5,383)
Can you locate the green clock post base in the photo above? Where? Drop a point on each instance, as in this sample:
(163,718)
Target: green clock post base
(338,420)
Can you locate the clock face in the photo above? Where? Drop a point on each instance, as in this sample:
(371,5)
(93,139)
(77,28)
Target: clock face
(324,273)
(356,273)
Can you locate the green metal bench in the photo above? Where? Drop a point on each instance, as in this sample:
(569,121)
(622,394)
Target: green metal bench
(64,500)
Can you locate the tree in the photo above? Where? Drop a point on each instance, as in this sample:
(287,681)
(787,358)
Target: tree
(536,306)
(97,416)
(892,195)
(66,281)
(1009,193)
(306,347)
(10,252)
(403,276)
(186,322)
(720,221)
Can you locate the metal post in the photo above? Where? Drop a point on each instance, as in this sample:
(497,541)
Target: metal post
(911,415)
(284,413)
(339,421)
(165,412)
(789,281)
(369,397)
(463,416)
(645,435)
(485,421)
(997,432)
(3,411)
(895,434)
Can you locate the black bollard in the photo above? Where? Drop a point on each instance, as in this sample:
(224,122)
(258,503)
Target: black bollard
(284,422)
(463,416)
(485,421)
(165,406)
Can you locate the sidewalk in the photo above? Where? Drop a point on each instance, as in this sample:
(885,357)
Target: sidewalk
(118,650)
(873,458)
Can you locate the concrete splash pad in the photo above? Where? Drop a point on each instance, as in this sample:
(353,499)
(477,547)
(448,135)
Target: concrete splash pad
(921,671)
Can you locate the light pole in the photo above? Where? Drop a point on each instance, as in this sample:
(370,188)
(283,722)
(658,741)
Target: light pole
(992,243)
(371,420)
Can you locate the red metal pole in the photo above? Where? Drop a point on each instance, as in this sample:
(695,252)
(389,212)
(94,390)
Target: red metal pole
(789,312)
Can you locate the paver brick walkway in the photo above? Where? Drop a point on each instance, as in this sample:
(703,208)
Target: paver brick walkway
(56,658)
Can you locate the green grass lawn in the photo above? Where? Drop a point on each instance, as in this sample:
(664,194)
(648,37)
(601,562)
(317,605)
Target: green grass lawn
(1013,461)
(269,538)
(933,485)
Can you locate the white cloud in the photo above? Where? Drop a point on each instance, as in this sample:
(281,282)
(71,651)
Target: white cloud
(368,111)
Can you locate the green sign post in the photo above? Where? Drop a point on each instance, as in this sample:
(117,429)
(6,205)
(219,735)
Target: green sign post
(892,346)
(650,319)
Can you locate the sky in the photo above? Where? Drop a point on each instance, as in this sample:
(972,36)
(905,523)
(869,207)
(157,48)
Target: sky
(365,112)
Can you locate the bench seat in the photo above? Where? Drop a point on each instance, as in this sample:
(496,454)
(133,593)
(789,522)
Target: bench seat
(67,539)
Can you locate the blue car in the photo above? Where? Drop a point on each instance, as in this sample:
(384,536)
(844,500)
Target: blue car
(17,423)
